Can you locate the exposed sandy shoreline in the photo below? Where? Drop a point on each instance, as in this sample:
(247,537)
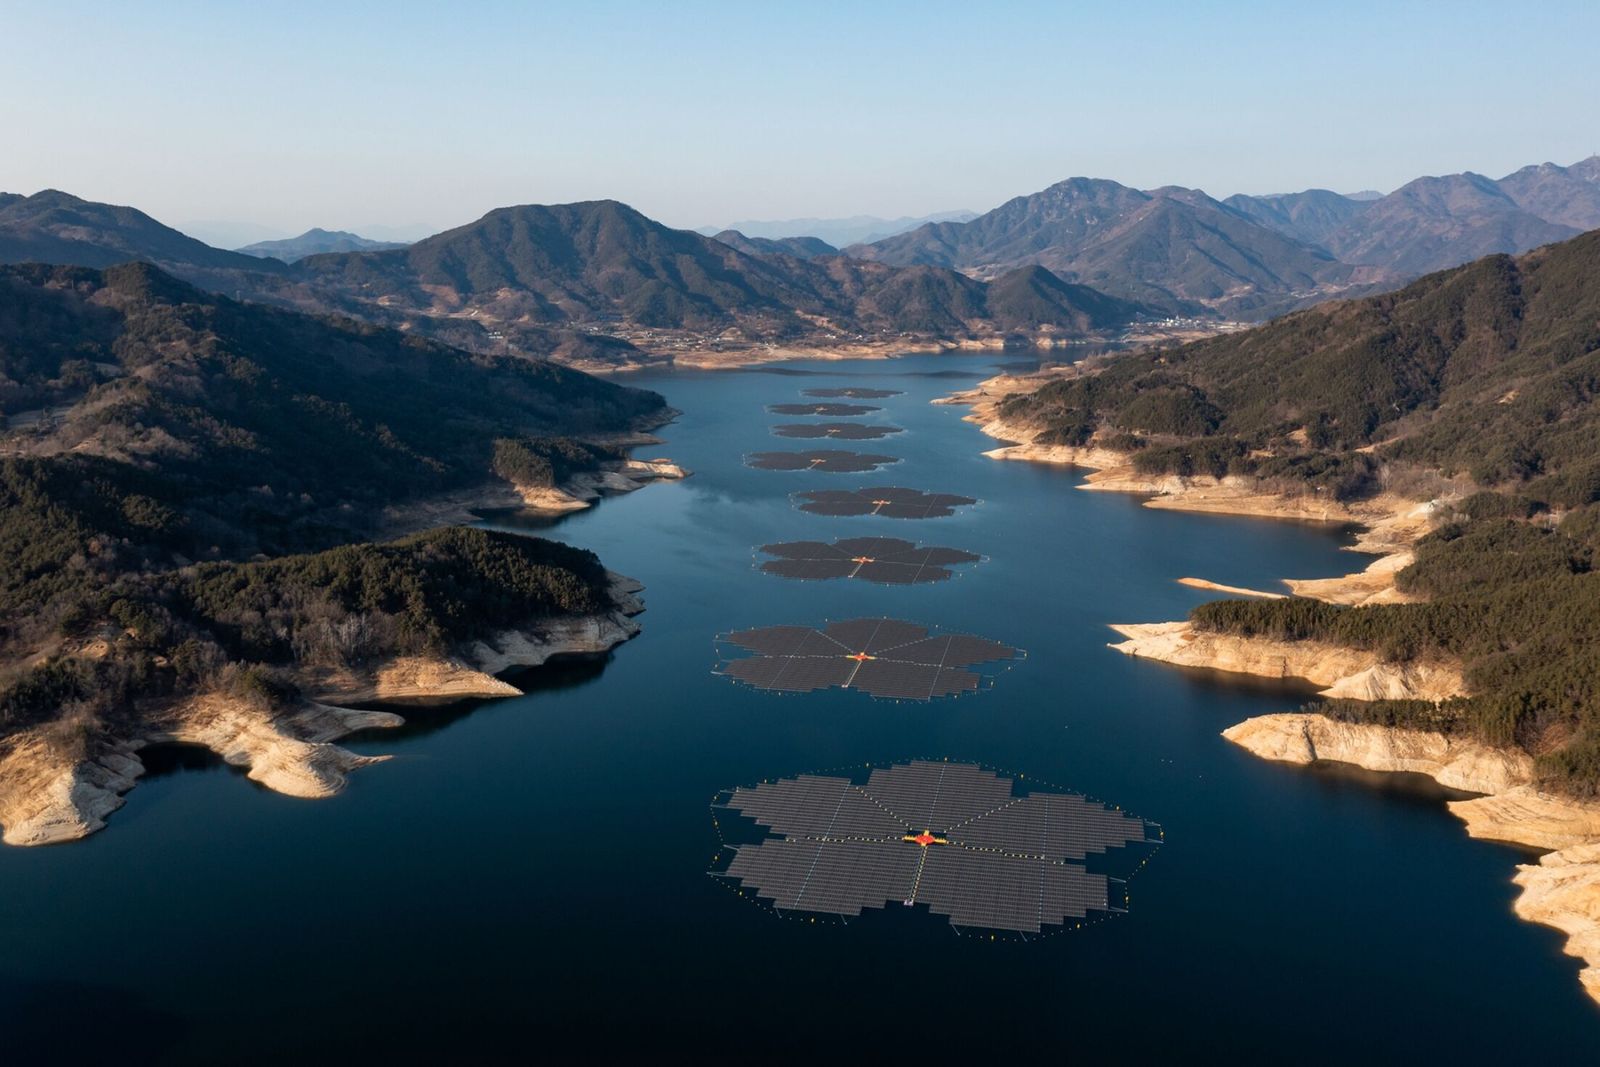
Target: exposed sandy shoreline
(50,794)
(1562,890)
(582,490)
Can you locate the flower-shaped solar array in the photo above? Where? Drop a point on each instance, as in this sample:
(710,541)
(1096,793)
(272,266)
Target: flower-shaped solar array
(953,837)
(888,560)
(886,658)
(835,410)
(893,502)
(832,460)
(853,393)
(843,431)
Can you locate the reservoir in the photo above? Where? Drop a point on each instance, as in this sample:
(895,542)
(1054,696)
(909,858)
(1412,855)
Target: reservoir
(531,874)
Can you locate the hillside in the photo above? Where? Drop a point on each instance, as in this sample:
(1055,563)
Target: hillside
(1176,249)
(602,265)
(1480,383)
(1433,223)
(799,247)
(315,242)
(1568,196)
(857,229)
(186,483)
(1308,216)
(56,227)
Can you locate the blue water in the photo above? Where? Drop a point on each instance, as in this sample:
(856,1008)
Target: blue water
(530,875)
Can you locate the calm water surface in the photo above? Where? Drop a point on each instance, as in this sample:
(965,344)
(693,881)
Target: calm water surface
(530,875)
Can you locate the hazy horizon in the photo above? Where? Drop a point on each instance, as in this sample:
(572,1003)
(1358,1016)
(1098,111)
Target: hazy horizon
(396,120)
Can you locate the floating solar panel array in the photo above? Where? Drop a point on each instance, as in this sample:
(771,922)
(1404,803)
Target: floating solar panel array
(837,411)
(886,658)
(853,393)
(843,431)
(888,560)
(953,837)
(831,460)
(890,501)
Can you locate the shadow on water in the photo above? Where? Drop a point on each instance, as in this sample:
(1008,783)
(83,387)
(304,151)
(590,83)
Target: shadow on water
(175,757)
(76,1022)
(1396,786)
(559,673)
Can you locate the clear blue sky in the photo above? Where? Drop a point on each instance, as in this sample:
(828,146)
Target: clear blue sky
(293,114)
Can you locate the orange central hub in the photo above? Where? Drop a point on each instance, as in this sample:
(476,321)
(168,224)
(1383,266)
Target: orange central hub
(881,503)
(926,838)
(860,657)
(863,559)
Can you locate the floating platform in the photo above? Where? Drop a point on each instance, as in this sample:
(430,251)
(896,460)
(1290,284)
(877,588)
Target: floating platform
(831,460)
(887,560)
(952,837)
(843,431)
(837,411)
(886,658)
(894,502)
(853,393)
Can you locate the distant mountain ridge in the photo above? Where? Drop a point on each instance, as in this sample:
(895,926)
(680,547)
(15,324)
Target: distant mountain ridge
(857,229)
(599,262)
(1433,223)
(314,242)
(802,247)
(56,227)
(1254,256)
(1173,248)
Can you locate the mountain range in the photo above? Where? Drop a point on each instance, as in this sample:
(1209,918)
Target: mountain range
(857,229)
(598,284)
(1253,256)
(601,263)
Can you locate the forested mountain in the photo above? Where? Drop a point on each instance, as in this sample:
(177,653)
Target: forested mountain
(1309,216)
(603,262)
(1433,223)
(1172,248)
(1487,374)
(157,436)
(56,227)
(314,242)
(1569,196)
(799,247)
(1255,256)
(857,229)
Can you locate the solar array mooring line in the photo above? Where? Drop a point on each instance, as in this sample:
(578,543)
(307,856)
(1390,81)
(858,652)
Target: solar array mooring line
(1044,850)
(937,671)
(986,814)
(868,644)
(886,809)
(916,883)
(938,787)
(818,857)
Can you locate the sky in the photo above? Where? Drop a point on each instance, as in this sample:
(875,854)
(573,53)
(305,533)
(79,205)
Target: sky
(288,115)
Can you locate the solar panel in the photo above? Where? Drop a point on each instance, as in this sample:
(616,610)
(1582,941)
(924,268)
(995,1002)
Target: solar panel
(832,460)
(886,560)
(953,837)
(890,501)
(853,393)
(842,431)
(837,411)
(887,658)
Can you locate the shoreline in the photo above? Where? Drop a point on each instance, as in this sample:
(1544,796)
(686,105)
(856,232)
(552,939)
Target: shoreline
(1562,888)
(52,794)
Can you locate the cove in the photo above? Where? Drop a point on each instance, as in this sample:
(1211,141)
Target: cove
(531,873)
